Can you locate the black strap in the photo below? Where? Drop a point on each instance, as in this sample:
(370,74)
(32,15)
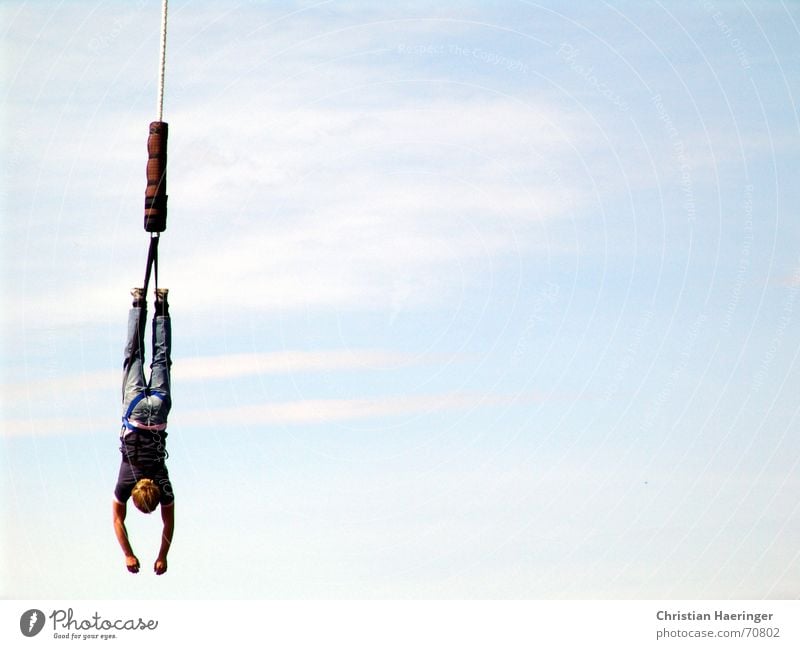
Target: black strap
(152,262)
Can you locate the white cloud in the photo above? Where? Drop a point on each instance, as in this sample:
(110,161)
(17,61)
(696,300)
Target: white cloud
(303,178)
(230,366)
(50,426)
(305,411)
(262,218)
(314,411)
(84,382)
(236,365)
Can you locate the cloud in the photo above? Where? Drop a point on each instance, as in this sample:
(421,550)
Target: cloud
(230,366)
(302,176)
(233,366)
(313,411)
(299,412)
(320,207)
(84,382)
(51,426)
(237,365)
(792,280)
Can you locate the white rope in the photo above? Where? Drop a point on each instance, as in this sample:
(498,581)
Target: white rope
(163,60)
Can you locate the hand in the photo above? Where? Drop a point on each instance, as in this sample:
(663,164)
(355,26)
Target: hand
(161,566)
(132,563)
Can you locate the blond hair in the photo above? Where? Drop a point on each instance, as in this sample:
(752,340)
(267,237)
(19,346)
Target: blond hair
(146,495)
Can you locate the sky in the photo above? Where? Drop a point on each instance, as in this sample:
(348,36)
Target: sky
(470,300)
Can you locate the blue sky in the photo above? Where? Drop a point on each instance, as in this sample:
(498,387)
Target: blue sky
(470,299)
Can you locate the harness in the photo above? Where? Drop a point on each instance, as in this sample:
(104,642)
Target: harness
(155,432)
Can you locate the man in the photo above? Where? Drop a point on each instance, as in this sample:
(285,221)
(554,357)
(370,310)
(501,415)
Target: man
(143,474)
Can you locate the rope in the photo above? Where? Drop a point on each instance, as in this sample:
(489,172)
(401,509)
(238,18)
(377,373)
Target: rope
(152,262)
(160,172)
(163,61)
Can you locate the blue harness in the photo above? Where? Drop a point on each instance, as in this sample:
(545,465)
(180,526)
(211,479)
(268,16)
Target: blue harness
(157,436)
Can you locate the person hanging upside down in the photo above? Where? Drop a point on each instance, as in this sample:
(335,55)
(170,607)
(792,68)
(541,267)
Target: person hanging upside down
(143,474)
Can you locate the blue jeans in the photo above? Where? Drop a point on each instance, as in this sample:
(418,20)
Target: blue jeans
(152,410)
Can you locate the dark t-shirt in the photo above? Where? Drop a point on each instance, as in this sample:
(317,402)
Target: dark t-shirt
(143,456)
(129,475)
(144,447)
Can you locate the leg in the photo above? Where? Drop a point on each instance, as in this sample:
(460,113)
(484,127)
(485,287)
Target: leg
(162,350)
(159,376)
(133,382)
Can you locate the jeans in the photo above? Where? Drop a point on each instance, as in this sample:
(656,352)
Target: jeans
(152,410)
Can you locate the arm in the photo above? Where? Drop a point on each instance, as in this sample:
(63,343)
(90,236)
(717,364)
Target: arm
(131,561)
(168,518)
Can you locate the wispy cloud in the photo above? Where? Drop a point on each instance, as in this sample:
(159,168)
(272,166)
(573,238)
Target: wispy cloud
(299,412)
(263,217)
(234,365)
(307,181)
(354,178)
(51,426)
(229,366)
(335,410)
